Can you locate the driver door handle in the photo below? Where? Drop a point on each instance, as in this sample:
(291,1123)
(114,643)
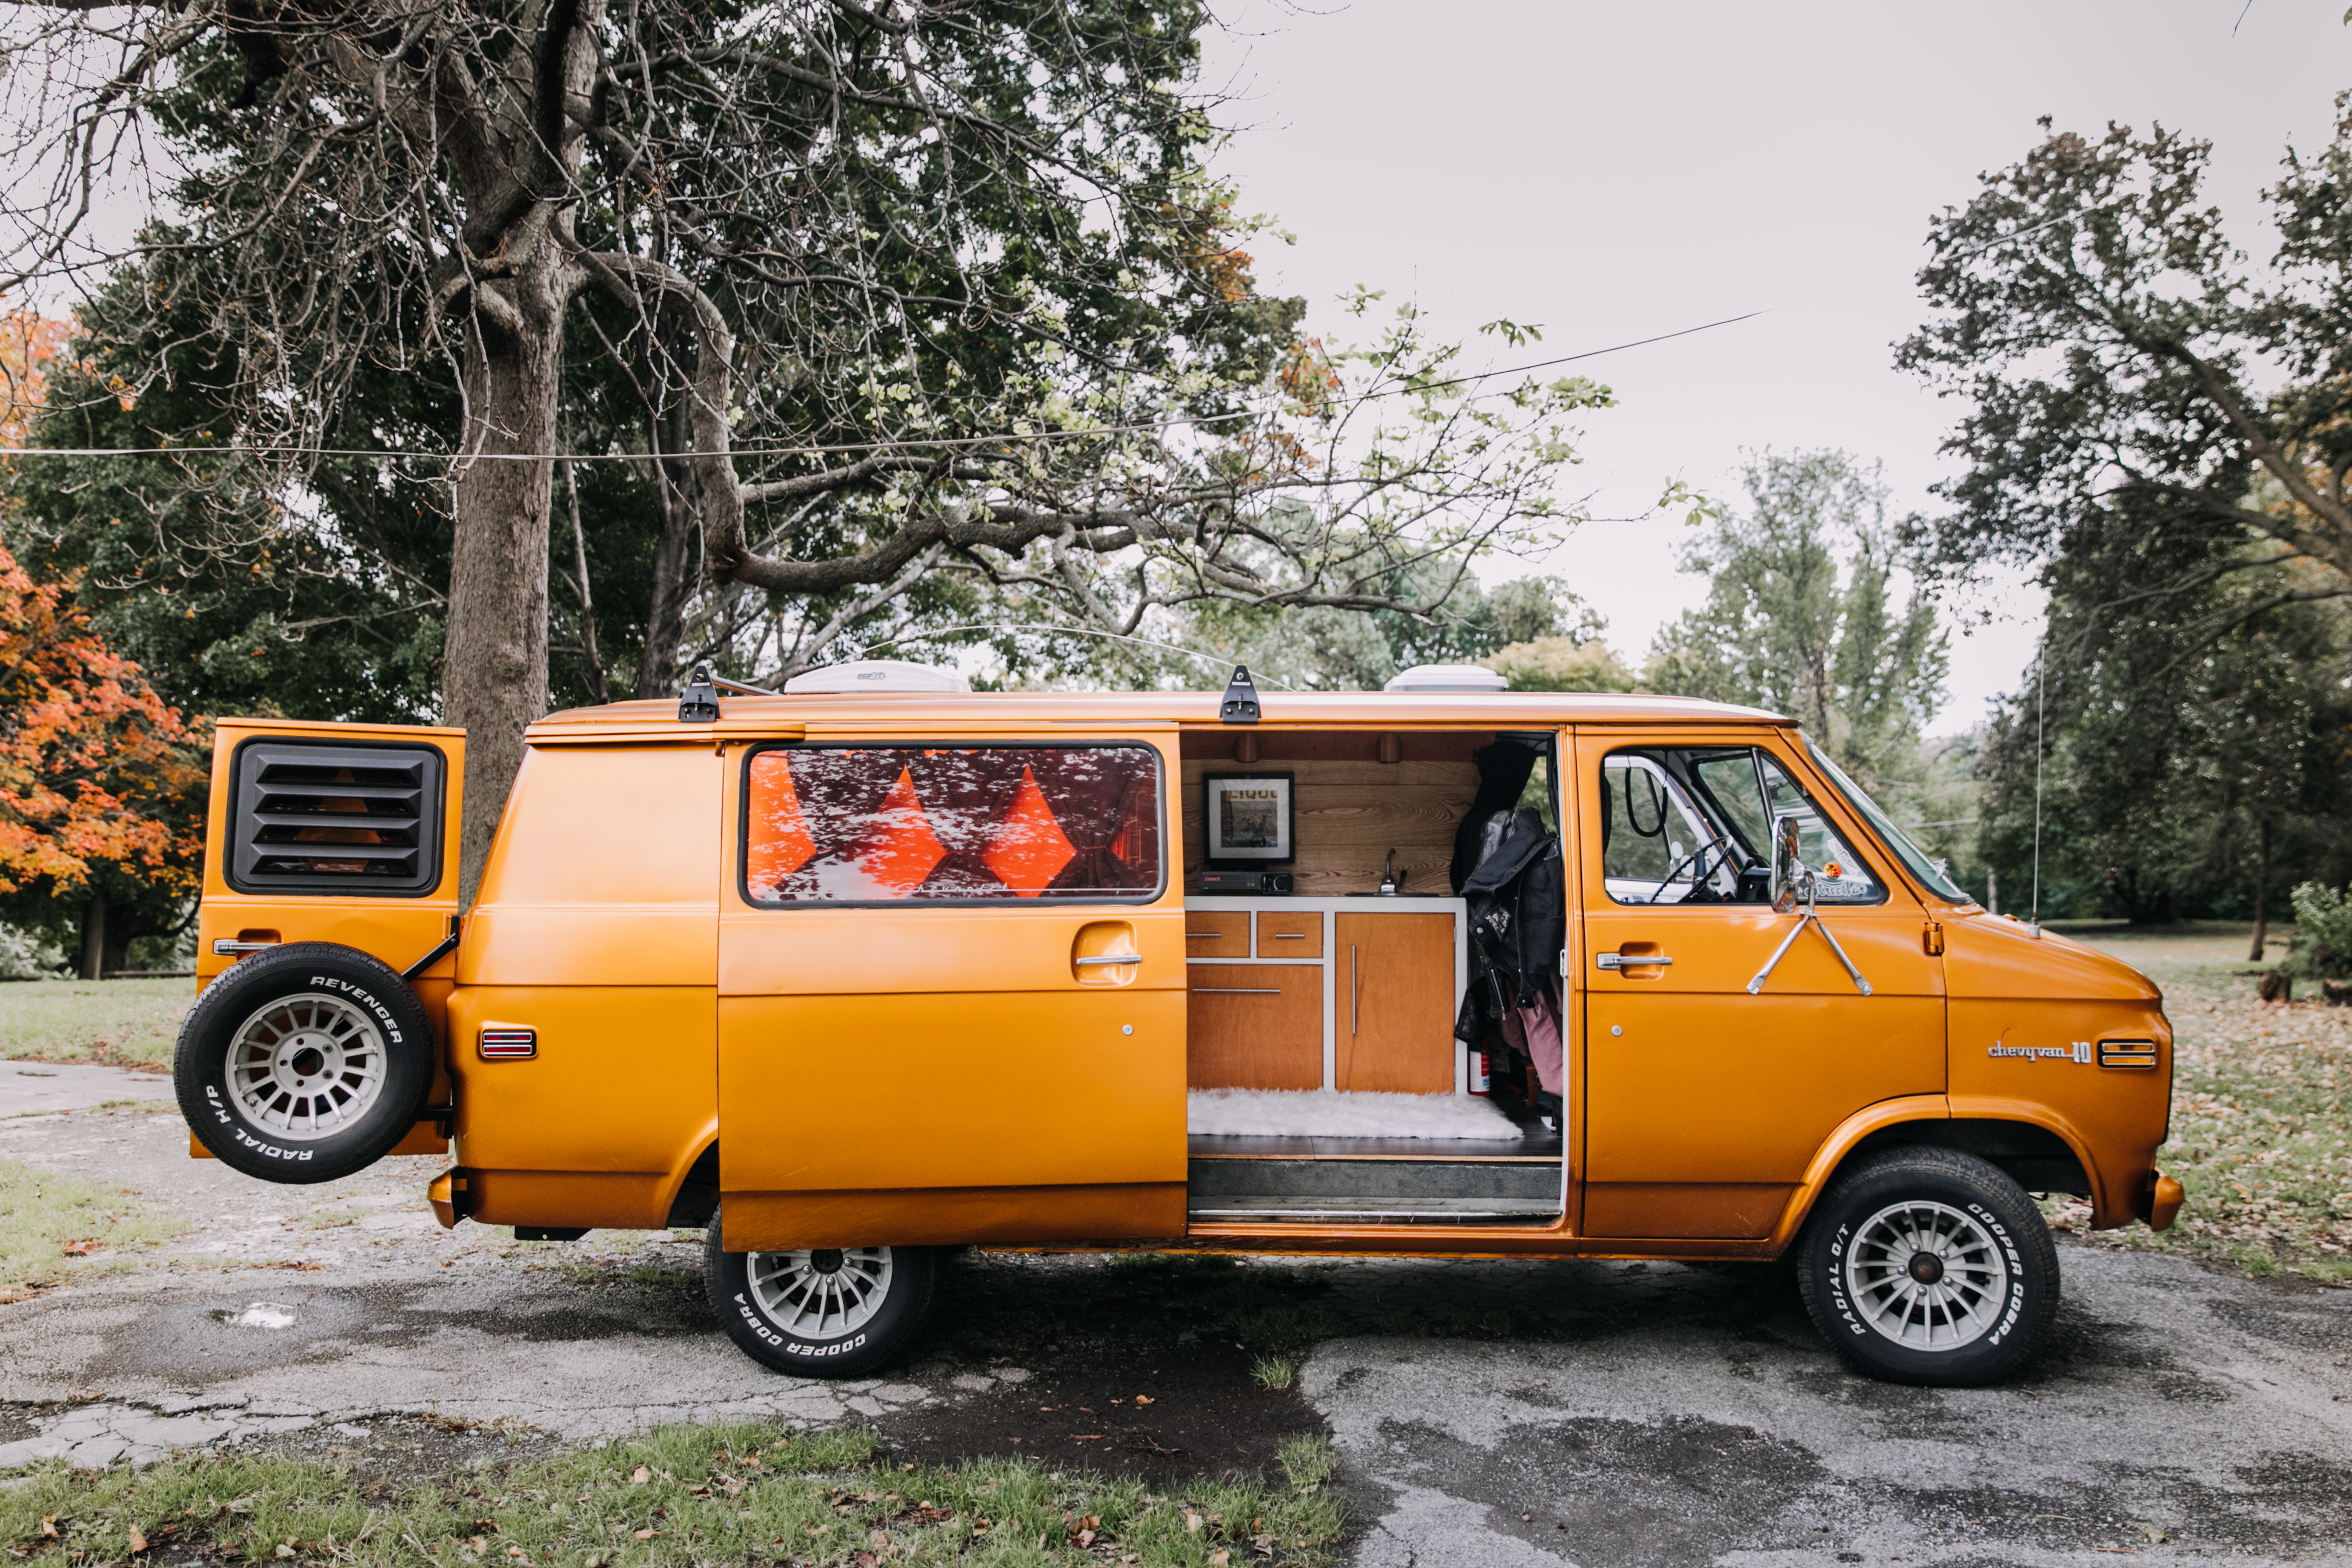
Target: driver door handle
(1629,960)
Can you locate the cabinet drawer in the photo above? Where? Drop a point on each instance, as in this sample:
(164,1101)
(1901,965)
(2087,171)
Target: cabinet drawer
(1223,933)
(1254,1025)
(1285,935)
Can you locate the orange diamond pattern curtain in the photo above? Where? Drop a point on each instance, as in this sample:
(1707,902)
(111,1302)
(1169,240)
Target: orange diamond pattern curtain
(841,825)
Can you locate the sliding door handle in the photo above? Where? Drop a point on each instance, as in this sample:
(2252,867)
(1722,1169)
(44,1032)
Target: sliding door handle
(1107,958)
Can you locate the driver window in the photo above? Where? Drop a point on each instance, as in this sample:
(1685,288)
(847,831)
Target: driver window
(1691,825)
(1657,846)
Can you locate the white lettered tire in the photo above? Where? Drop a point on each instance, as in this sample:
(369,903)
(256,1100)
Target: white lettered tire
(1928,1266)
(304,1063)
(822,1313)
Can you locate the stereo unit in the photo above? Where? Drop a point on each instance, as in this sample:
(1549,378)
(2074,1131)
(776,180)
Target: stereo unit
(1246,882)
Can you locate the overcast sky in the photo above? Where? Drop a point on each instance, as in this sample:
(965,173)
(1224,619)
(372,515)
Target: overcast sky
(1613,172)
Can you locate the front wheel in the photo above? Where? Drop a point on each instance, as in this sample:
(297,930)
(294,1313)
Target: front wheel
(839,1311)
(1928,1266)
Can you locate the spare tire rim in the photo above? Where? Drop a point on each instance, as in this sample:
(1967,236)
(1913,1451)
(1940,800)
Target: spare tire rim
(820,1293)
(306,1067)
(1927,1275)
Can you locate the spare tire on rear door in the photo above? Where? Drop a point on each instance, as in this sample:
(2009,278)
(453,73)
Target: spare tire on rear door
(304,1063)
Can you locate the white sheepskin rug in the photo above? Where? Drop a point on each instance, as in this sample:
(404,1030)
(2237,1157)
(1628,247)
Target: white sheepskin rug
(1328,1113)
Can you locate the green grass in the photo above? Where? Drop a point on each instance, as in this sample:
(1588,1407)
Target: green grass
(678,1498)
(2260,1140)
(130,1023)
(1274,1372)
(43,1213)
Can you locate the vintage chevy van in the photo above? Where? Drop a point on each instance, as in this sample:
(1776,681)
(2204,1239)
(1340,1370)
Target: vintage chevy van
(877,967)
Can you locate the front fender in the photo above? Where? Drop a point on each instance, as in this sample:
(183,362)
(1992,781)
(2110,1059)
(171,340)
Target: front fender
(1841,1142)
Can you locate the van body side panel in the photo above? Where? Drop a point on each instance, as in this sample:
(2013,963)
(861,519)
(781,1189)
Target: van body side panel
(905,1073)
(597,928)
(1706,1104)
(2026,1010)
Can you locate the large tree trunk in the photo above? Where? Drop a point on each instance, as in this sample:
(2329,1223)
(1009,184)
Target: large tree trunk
(494,663)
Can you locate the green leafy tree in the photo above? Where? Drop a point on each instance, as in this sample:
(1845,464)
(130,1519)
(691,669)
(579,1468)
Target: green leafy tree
(2176,780)
(2133,383)
(1801,617)
(886,313)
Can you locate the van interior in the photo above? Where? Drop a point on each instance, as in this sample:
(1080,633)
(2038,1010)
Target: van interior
(1335,1074)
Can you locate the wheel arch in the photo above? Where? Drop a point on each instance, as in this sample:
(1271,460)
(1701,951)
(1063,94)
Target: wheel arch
(693,1186)
(2040,1151)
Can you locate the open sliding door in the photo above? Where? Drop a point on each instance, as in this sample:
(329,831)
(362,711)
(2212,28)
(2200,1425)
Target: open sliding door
(951,993)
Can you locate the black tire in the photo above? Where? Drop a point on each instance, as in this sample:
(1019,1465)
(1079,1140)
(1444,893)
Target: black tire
(352,1045)
(744,1291)
(1972,1263)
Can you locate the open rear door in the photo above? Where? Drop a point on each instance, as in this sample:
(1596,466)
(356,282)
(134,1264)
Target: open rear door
(341,833)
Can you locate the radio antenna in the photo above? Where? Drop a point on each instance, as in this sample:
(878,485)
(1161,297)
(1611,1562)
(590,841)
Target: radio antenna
(2040,689)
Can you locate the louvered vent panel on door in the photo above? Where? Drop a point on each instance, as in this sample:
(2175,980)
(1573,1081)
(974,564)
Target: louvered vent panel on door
(313,818)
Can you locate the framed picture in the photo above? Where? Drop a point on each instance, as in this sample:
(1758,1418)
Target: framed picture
(1249,820)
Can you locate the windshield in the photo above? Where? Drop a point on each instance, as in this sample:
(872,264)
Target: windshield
(1938,881)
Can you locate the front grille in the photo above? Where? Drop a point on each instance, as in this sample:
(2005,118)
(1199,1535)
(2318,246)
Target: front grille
(336,819)
(2127,1053)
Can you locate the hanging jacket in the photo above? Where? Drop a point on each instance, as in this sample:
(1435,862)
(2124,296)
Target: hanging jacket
(1516,901)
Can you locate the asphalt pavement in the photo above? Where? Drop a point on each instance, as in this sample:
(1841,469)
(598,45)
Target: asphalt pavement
(1507,1413)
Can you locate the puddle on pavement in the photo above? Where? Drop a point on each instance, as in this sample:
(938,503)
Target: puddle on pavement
(257,1315)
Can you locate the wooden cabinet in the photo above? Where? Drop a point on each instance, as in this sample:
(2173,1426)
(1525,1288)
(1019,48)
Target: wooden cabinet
(1395,1002)
(1254,1025)
(1347,993)
(1216,933)
(1290,933)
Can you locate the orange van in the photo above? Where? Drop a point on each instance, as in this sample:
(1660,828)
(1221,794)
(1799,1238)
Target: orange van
(877,965)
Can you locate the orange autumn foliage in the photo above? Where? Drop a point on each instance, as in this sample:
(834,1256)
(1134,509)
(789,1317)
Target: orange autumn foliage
(93,766)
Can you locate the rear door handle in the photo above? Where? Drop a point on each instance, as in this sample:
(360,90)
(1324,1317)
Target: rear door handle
(1629,960)
(1109,958)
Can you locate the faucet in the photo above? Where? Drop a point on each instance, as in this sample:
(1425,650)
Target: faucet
(1391,884)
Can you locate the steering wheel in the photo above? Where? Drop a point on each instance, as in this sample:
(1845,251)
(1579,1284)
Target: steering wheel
(1702,891)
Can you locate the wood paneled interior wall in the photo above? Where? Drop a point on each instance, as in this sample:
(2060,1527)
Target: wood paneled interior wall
(1352,807)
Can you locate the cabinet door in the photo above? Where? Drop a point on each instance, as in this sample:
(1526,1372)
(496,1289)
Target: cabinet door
(1395,1001)
(1254,1025)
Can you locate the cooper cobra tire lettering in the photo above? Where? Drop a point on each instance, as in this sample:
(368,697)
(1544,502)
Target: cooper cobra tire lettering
(2011,1322)
(896,1324)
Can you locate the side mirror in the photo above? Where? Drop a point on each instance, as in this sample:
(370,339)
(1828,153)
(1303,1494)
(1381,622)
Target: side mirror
(1787,863)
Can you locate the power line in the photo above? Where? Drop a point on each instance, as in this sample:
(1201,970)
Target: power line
(292,448)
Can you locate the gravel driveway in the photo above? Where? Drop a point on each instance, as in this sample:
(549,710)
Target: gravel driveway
(1514,1414)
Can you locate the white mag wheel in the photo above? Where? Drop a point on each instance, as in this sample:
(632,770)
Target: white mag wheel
(306,1067)
(820,1293)
(1927,1275)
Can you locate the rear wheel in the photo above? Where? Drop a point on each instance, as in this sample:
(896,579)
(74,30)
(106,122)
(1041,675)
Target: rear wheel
(840,1311)
(305,1063)
(1930,1266)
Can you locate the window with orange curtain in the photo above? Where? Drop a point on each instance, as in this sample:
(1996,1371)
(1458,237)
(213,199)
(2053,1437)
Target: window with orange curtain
(885,825)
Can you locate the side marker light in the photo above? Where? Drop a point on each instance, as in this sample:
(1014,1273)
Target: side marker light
(509,1045)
